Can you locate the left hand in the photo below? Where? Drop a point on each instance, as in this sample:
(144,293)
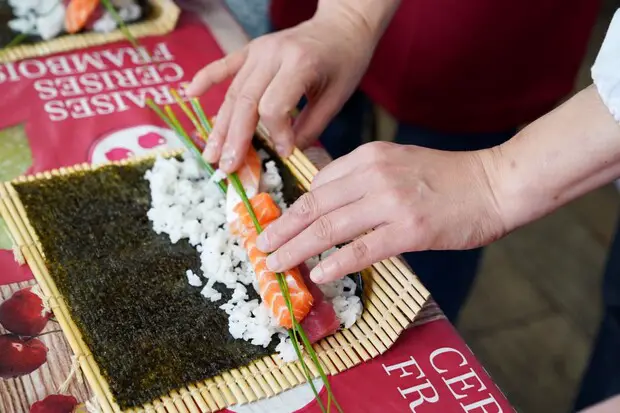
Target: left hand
(407,198)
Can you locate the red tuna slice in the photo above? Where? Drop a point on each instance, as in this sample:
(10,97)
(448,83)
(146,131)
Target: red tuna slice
(321,321)
(151,140)
(56,403)
(19,357)
(23,313)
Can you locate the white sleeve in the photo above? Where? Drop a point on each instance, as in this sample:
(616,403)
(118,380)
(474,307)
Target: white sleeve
(606,68)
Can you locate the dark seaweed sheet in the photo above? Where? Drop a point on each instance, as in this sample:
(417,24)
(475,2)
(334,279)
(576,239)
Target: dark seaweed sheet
(6,14)
(148,329)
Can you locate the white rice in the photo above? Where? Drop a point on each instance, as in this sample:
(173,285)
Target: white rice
(185,204)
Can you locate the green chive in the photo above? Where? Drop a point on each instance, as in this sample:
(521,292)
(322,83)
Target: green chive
(121,24)
(295,341)
(174,123)
(187,141)
(236,183)
(206,123)
(16,40)
(203,133)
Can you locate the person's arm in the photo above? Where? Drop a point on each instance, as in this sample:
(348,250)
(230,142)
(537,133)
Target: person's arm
(374,16)
(390,199)
(568,152)
(322,59)
(561,156)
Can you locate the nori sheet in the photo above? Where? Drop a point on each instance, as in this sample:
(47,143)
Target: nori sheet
(6,15)
(149,331)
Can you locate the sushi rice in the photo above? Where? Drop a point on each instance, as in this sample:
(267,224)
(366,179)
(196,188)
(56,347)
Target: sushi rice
(185,204)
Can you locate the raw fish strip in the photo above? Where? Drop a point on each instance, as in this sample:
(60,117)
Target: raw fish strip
(266,211)
(78,13)
(249,175)
(269,289)
(322,320)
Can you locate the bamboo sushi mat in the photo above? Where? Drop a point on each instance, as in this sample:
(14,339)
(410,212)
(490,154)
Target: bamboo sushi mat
(162,20)
(393,297)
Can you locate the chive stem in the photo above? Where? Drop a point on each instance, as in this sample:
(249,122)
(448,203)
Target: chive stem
(186,140)
(16,40)
(120,23)
(174,123)
(197,125)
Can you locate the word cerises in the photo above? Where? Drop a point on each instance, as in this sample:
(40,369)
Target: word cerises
(465,385)
(83,85)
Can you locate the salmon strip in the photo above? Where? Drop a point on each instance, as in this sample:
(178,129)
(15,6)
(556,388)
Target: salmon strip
(77,14)
(266,211)
(249,174)
(269,289)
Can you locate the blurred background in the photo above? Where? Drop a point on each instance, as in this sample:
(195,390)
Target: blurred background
(536,305)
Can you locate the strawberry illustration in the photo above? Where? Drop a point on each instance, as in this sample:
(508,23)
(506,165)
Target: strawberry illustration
(151,140)
(23,313)
(19,357)
(55,403)
(117,154)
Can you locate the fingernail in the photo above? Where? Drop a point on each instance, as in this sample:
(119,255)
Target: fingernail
(272,263)
(190,90)
(226,163)
(317,275)
(262,242)
(283,150)
(209,152)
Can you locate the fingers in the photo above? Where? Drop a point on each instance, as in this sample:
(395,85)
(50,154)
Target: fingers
(280,98)
(336,169)
(359,254)
(217,137)
(244,116)
(216,72)
(327,231)
(307,209)
(358,160)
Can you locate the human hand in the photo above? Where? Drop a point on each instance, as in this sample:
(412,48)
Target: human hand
(322,58)
(409,198)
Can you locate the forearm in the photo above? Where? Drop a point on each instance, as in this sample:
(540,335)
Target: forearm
(559,157)
(370,16)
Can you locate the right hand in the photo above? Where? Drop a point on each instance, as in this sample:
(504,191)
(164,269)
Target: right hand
(323,58)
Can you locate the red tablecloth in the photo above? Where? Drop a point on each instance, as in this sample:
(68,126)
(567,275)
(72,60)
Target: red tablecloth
(88,106)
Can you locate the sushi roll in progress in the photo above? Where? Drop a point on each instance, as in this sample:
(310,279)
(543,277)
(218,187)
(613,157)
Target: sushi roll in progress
(48,19)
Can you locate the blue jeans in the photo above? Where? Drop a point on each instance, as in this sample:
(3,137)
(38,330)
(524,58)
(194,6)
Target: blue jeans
(448,275)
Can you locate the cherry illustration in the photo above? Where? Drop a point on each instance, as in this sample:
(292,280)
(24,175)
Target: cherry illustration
(55,403)
(23,313)
(117,154)
(151,140)
(19,357)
